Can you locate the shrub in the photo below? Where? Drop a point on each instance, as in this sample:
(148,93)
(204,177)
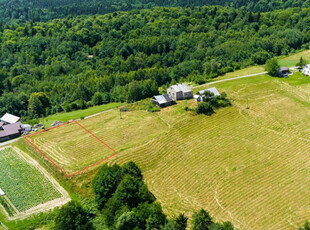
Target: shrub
(205,108)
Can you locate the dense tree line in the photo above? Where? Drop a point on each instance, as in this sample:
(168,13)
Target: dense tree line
(123,202)
(12,11)
(126,56)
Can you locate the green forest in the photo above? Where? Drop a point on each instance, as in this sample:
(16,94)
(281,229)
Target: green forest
(13,11)
(48,67)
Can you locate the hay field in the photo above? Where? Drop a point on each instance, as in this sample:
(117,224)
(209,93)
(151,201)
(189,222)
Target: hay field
(24,185)
(249,166)
(73,149)
(70,147)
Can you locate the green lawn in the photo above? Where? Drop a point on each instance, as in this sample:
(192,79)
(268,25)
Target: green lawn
(291,60)
(22,183)
(297,79)
(63,117)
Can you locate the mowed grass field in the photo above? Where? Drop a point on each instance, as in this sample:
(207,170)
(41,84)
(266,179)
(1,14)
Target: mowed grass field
(72,148)
(249,166)
(23,184)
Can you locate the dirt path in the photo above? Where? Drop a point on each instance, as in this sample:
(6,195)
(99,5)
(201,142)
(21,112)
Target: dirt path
(48,205)
(230,79)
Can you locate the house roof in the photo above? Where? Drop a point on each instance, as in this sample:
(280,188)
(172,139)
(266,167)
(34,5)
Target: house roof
(10,129)
(9,118)
(212,90)
(284,69)
(161,99)
(181,87)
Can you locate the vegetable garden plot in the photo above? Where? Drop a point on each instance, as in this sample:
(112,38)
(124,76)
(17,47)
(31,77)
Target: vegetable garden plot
(71,147)
(23,184)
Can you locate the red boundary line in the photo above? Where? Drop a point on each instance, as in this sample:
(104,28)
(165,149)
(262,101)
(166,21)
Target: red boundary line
(73,174)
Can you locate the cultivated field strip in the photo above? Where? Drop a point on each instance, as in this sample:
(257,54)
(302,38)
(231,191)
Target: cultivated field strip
(23,184)
(249,166)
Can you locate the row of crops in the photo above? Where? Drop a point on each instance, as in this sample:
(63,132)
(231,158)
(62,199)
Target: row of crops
(7,206)
(24,185)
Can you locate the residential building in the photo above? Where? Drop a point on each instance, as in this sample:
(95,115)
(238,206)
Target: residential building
(180,92)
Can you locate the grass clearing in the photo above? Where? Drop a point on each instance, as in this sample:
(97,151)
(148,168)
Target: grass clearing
(23,184)
(242,72)
(74,115)
(291,60)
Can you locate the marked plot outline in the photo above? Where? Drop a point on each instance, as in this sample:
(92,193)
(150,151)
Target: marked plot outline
(70,147)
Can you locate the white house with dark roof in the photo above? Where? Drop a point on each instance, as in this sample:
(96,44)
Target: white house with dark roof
(163,100)
(199,96)
(180,91)
(9,119)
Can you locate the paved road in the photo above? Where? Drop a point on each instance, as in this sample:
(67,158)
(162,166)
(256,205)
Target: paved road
(230,79)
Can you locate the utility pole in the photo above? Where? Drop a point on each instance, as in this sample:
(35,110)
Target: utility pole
(120,113)
(247,102)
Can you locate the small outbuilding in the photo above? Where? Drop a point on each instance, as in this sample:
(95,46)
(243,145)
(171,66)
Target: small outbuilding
(1,192)
(180,92)
(284,71)
(199,96)
(9,119)
(163,100)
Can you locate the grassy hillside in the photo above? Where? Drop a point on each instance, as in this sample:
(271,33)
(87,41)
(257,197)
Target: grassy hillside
(248,166)
(244,165)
